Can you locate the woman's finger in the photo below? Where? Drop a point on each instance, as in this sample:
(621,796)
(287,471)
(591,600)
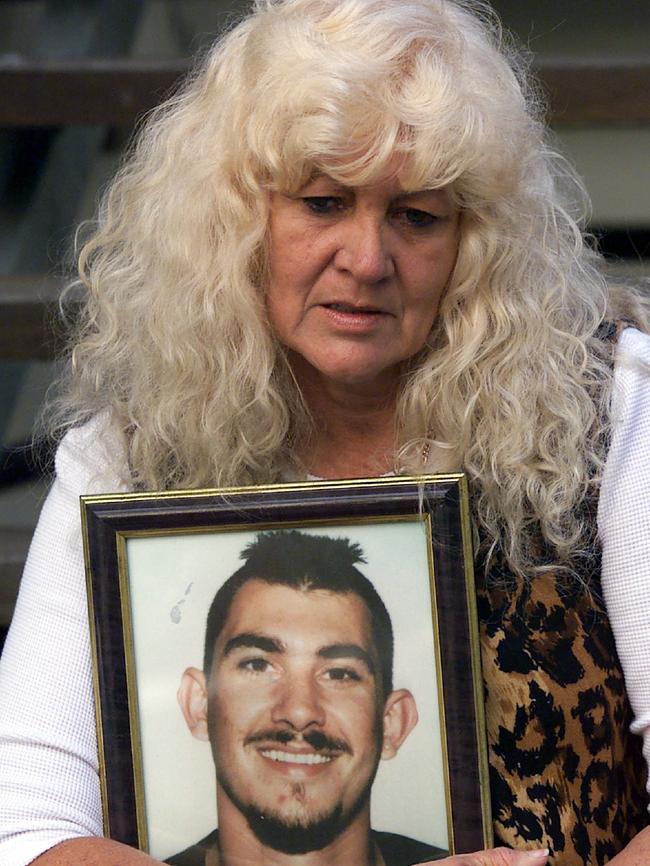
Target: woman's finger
(495,857)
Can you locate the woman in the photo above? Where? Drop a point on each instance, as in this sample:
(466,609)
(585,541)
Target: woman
(344,248)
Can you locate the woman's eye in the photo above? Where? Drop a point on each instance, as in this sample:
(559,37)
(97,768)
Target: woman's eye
(323,205)
(417,219)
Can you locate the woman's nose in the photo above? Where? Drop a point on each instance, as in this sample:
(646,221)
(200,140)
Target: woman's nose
(364,249)
(298,704)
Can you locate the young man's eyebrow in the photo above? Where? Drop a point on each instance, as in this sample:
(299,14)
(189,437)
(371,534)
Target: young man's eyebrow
(347,650)
(251,640)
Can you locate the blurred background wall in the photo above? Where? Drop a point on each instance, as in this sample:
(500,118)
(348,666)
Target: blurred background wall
(76,74)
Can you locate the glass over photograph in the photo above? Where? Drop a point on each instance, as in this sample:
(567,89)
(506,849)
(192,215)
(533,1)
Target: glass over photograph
(287,684)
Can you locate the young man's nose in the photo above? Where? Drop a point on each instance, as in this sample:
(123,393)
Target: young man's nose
(298,704)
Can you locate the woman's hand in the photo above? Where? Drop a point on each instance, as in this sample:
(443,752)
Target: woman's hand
(93,851)
(104,852)
(496,857)
(636,852)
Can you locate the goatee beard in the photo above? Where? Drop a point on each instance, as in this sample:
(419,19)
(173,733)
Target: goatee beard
(295,836)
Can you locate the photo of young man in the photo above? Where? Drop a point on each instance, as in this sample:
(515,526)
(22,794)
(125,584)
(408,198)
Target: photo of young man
(296,700)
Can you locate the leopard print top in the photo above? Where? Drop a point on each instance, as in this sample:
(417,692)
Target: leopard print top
(565,772)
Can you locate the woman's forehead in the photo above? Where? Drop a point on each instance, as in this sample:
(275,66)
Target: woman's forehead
(360,173)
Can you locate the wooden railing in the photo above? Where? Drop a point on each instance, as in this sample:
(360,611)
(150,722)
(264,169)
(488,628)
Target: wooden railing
(116,92)
(28,309)
(605,92)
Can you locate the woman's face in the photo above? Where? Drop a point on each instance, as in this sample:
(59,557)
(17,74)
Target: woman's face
(357,273)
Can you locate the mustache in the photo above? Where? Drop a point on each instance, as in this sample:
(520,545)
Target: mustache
(316,739)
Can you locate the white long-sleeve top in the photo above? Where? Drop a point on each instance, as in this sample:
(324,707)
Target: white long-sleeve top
(49,785)
(624,524)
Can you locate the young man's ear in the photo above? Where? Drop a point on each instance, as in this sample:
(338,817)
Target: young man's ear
(192,698)
(400,717)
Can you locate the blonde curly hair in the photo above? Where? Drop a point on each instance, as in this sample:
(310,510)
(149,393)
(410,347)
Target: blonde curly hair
(513,384)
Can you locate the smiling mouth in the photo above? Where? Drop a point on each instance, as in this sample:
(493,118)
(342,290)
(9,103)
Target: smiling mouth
(296,757)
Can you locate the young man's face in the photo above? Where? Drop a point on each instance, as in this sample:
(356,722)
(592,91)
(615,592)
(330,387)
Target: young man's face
(295,711)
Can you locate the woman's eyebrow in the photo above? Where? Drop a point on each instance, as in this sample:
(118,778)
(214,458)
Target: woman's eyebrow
(437,194)
(252,640)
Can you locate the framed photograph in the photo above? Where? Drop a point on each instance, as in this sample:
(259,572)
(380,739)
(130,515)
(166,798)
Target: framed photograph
(293,667)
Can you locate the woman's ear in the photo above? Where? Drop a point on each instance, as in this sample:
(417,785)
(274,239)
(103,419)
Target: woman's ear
(400,717)
(192,698)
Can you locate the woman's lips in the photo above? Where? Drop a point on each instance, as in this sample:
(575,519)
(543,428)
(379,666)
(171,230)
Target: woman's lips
(341,307)
(357,318)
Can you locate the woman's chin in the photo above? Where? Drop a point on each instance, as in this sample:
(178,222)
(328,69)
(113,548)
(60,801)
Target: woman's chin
(366,380)
(356,373)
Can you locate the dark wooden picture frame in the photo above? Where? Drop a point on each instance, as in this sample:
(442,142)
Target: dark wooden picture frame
(122,531)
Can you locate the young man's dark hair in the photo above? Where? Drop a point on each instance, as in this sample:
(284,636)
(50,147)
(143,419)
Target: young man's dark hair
(300,561)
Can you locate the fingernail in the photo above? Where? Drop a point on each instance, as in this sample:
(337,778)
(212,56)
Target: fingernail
(539,854)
